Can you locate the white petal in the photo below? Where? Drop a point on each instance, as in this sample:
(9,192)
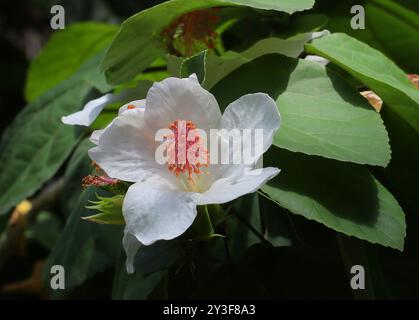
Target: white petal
(317,59)
(94,137)
(253,111)
(194,78)
(232,187)
(131,246)
(89,113)
(138,104)
(181,99)
(126,148)
(153,211)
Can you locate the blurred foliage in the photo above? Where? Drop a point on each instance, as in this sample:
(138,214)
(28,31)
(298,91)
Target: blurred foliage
(347,193)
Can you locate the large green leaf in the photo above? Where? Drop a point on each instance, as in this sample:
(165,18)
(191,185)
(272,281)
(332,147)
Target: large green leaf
(78,167)
(344,197)
(289,6)
(397,29)
(91,73)
(37,143)
(138,42)
(64,53)
(321,114)
(210,68)
(83,248)
(301,24)
(373,69)
(217,67)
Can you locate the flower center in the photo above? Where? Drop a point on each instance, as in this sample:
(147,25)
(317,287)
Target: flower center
(187,153)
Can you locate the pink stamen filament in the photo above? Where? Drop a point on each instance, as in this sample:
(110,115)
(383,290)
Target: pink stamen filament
(181,164)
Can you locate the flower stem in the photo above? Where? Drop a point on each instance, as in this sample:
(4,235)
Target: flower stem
(202,226)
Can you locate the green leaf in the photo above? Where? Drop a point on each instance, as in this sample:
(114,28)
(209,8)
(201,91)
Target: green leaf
(321,114)
(79,166)
(91,73)
(302,24)
(397,29)
(83,248)
(37,143)
(194,64)
(340,21)
(289,6)
(138,42)
(217,67)
(64,53)
(390,27)
(342,196)
(373,69)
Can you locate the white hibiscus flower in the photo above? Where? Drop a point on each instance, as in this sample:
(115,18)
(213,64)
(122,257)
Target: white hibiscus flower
(161,204)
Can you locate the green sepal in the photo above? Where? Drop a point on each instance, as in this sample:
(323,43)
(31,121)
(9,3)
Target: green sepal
(110,210)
